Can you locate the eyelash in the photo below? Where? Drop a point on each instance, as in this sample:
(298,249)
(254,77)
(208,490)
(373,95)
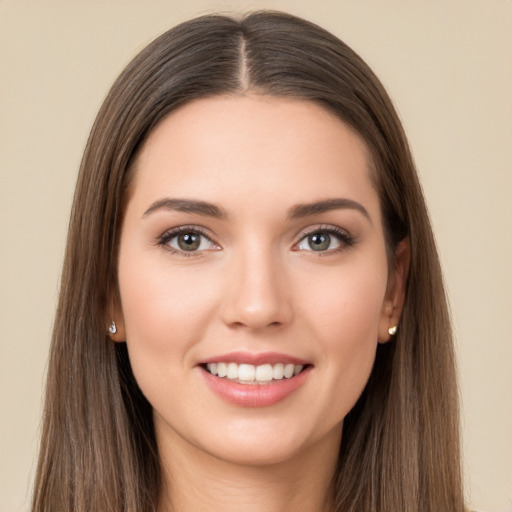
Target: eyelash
(164,239)
(345,239)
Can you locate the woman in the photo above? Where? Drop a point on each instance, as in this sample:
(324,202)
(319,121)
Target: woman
(252,313)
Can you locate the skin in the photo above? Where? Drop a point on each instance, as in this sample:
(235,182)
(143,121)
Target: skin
(253,285)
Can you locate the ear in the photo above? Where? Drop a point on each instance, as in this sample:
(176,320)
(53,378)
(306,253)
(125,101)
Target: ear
(115,318)
(395,293)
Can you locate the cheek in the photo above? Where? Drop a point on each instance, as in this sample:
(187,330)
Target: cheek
(346,304)
(165,313)
(344,314)
(164,308)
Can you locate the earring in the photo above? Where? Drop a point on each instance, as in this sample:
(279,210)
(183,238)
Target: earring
(392,330)
(112,329)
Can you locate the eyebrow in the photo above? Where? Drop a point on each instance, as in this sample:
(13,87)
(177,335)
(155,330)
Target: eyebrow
(187,206)
(304,210)
(295,212)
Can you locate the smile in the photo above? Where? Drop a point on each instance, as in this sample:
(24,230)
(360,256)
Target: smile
(255,380)
(251,374)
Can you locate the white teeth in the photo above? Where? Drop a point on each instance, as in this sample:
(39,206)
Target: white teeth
(278,371)
(264,372)
(222,369)
(232,371)
(246,372)
(288,370)
(250,374)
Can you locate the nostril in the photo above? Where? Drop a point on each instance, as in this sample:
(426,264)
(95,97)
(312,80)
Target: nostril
(251,324)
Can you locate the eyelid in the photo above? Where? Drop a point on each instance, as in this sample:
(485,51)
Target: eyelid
(344,237)
(164,239)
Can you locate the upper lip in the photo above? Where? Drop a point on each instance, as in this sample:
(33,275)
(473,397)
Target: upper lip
(255,359)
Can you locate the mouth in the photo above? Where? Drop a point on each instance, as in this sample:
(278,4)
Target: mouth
(255,380)
(250,374)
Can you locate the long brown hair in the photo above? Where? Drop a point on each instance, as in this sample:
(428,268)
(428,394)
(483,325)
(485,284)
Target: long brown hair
(400,449)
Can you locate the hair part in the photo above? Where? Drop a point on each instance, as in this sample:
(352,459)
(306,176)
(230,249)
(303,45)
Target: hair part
(400,448)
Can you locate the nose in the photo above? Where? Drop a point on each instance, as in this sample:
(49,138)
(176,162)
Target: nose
(257,293)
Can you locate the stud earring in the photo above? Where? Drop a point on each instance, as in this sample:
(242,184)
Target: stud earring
(392,330)
(112,328)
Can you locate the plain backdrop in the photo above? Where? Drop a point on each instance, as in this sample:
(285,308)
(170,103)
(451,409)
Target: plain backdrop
(448,67)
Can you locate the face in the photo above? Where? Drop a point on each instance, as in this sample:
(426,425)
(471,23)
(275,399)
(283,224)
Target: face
(253,277)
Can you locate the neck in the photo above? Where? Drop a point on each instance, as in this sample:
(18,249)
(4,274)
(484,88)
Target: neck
(199,482)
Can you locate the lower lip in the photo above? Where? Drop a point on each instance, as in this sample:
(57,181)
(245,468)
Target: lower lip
(255,395)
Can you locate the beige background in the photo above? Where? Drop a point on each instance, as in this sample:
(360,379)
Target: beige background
(448,67)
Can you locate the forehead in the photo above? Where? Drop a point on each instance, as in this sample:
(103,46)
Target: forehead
(253,146)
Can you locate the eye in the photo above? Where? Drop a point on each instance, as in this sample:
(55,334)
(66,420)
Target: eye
(185,240)
(324,240)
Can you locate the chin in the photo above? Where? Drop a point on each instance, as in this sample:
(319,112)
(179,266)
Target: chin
(269,444)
